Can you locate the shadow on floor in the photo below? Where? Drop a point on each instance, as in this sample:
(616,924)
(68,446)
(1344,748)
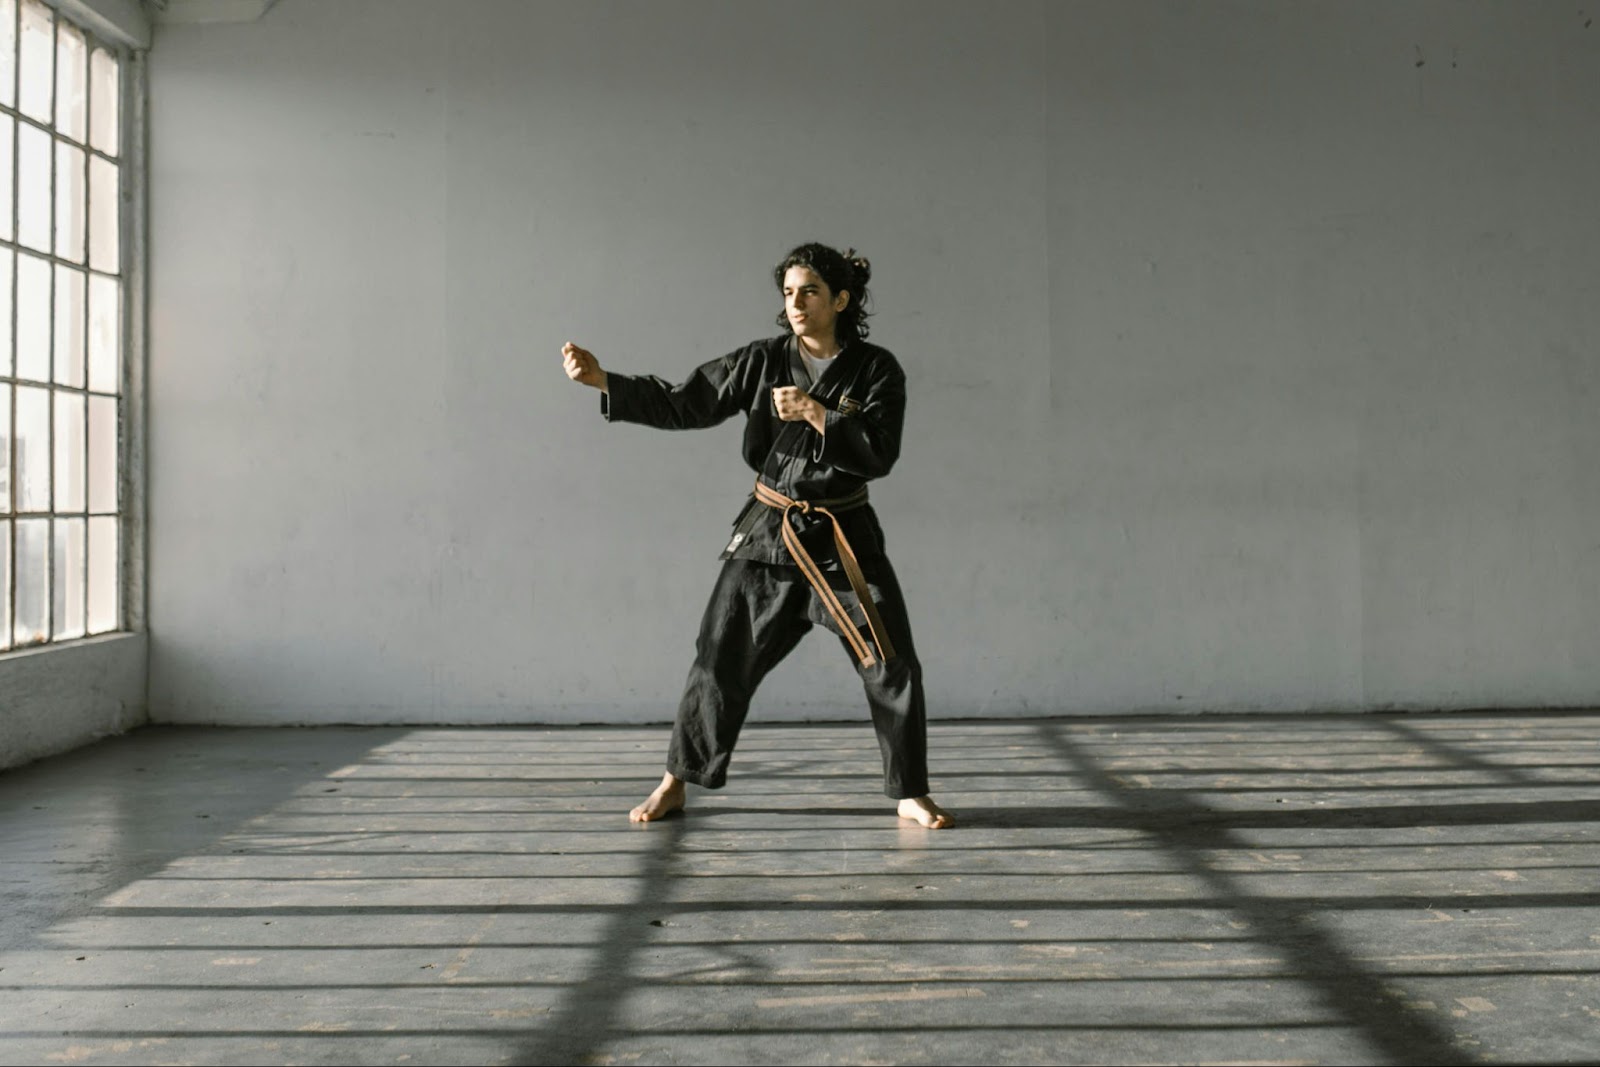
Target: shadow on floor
(1325,889)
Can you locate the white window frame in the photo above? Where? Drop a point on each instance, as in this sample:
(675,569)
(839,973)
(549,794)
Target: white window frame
(120,27)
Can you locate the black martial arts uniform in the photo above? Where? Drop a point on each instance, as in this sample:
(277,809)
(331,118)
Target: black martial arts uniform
(762,603)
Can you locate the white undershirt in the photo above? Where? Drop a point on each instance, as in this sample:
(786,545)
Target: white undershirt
(816,366)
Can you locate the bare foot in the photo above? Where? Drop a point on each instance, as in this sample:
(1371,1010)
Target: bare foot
(926,812)
(667,799)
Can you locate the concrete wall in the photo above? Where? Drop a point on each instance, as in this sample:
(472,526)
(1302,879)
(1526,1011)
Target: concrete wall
(1251,345)
(55,699)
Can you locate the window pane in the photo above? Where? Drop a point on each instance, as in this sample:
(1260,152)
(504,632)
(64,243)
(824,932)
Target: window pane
(103,110)
(105,334)
(5,456)
(103,236)
(8,149)
(103,599)
(72,103)
(5,584)
(8,261)
(60,323)
(66,603)
(33,187)
(33,580)
(102,454)
(38,59)
(69,327)
(8,55)
(70,473)
(33,449)
(33,318)
(69,202)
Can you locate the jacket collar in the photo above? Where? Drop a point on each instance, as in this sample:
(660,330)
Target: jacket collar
(842,366)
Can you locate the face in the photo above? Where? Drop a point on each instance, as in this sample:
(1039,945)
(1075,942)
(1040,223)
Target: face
(811,308)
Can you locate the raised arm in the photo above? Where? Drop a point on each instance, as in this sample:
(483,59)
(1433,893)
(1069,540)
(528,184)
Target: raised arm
(713,392)
(582,367)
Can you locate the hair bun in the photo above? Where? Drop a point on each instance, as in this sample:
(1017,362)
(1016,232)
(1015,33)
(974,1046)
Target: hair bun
(862,265)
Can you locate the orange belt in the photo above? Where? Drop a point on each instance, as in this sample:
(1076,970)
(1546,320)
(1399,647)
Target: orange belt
(852,569)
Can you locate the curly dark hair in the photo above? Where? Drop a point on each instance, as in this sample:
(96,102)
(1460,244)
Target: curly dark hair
(842,273)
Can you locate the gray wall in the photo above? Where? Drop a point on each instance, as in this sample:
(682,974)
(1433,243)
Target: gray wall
(1251,345)
(55,699)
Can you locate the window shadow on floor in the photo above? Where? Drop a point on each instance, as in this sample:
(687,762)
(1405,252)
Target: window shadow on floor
(1133,890)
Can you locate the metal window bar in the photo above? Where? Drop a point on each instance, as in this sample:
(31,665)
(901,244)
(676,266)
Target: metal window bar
(133,228)
(54,514)
(16,195)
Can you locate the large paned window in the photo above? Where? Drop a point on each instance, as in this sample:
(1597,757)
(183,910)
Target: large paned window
(61,336)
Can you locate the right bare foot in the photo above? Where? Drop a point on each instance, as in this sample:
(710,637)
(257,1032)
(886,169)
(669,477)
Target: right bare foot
(923,810)
(667,799)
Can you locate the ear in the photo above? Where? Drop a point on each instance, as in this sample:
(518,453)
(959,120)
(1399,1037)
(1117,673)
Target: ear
(841,300)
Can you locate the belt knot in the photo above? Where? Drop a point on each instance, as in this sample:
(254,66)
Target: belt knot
(847,558)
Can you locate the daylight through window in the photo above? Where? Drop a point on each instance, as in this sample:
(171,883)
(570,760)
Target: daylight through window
(61,337)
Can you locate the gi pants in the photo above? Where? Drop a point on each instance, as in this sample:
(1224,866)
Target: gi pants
(757,614)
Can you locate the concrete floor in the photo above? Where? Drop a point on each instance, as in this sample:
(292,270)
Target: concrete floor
(1342,889)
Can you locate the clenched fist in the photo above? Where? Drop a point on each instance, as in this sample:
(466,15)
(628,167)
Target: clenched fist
(582,367)
(794,404)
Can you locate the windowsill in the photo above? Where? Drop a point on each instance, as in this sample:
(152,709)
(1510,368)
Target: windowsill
(60,646)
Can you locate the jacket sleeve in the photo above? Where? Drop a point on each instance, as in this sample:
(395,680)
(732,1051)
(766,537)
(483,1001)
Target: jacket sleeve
(714,392)
(866,442)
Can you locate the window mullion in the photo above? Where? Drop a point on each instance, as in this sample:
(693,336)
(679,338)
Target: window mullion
(83,332)
(11,444)
(53,565)
(132,232)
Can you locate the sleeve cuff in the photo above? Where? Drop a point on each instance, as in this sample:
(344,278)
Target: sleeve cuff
(830,423)
(608,397)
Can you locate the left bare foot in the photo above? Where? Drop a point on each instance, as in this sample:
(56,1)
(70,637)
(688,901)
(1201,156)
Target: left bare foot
(923,810)
(667,798)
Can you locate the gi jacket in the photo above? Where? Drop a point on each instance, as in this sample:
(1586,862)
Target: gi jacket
(864,392)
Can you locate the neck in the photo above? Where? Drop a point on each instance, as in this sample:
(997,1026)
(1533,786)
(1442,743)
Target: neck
(819,347)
